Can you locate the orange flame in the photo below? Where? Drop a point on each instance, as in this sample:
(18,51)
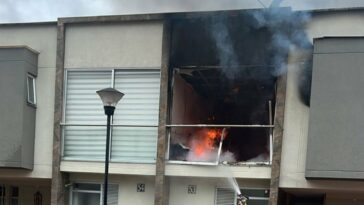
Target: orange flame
(205,141)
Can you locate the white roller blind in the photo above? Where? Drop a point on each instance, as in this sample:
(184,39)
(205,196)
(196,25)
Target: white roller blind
(225,197)
(83,106)
(139,106)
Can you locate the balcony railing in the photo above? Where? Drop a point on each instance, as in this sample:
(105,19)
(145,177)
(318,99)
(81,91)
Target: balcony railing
(129,143)
(179,152)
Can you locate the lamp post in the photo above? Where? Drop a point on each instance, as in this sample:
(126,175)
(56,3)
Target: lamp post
(110,97)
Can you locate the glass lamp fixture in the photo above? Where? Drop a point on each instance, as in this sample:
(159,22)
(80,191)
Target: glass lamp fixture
(110,97)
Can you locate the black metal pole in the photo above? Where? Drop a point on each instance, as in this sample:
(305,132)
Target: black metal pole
(107,153)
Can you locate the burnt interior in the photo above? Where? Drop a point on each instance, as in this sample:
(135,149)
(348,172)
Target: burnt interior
(207,89)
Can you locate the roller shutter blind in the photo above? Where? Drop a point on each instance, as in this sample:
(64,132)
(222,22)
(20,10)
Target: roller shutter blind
(256,196)
(112,194)
(84,107)
(225,197)
(139,106)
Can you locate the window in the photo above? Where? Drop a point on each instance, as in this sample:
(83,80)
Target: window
(226,196)
(14,196)
(222,90)
(91,194)
(134,124)
(9,195)
(2,194)
(31,96)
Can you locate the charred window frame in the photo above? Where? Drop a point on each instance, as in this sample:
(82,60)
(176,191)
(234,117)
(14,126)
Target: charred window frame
(247,62)
(223,128)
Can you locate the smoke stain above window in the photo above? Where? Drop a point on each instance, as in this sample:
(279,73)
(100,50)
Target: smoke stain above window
(224,68)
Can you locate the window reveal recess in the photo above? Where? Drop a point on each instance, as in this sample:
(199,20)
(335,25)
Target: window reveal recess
(218,120)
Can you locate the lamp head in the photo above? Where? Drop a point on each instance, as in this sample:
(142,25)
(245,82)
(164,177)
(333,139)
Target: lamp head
(110,97)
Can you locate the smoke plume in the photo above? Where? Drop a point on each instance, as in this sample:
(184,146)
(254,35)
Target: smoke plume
(287,29)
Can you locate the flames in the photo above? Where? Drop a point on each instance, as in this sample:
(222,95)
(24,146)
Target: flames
(204,142)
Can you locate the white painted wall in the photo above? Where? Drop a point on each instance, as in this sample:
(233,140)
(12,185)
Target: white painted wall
(41,38)
(297,114)
(129,44)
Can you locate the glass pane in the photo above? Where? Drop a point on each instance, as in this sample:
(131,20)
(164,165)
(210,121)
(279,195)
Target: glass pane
(134,144)
(86,199)
(31,91)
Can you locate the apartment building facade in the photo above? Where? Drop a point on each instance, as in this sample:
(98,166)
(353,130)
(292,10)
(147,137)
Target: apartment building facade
(176,90)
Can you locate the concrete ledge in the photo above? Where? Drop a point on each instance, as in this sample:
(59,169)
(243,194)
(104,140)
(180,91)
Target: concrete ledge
(331,174)
(114,168)
(250,172)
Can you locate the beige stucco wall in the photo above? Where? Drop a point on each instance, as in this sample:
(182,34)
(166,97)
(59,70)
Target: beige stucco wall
(205,189)
(27,188)
(127,187)
(129,44)
(41,38)
(26,194)
(297,114)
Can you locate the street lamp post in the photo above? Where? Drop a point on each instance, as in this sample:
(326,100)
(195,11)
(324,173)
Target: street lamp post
(110,97)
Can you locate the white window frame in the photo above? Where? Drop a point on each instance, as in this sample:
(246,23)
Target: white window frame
(101,191)
(112,85)
(32,78)
(72,191)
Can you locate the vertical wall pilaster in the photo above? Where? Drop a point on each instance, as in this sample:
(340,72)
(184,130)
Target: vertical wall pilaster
(161,183)
(277,138)
(58,190)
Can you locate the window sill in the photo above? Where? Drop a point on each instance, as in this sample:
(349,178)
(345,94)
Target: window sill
(32,105)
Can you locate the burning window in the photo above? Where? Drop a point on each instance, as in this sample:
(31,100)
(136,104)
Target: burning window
(216,119)
(222,90)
